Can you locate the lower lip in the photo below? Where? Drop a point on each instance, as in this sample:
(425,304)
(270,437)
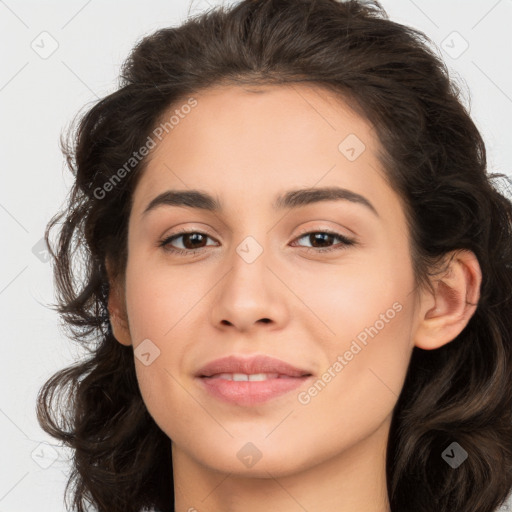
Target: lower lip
(251,392)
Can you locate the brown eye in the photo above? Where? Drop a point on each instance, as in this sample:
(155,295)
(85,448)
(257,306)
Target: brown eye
(192,241)
(321,240)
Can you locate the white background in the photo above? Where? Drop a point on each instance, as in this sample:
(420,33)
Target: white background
(38,99)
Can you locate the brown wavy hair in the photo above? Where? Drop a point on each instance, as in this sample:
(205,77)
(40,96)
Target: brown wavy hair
(434,158)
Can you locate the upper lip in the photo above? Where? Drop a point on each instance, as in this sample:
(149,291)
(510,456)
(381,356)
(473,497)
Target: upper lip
(250,365)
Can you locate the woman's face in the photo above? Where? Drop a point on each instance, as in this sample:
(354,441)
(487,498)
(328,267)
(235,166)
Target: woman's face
(254,280)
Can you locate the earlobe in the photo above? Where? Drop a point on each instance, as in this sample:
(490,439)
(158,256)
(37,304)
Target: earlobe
(117,312)
(119,327)
(455,299)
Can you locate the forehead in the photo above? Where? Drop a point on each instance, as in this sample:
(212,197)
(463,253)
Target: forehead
(264,140)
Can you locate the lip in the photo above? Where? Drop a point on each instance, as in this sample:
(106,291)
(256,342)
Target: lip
(253,364)
(249,393)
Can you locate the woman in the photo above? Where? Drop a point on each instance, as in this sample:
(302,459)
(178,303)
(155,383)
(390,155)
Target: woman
(298,275)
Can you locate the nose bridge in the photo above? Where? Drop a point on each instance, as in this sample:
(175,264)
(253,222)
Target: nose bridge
(251,248)
(251,240)
(249,291)
(249,260)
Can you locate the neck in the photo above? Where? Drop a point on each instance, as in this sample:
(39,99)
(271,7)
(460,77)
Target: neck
(351,481)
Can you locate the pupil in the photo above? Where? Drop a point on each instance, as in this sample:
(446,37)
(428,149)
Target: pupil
(320,236)
(195,236)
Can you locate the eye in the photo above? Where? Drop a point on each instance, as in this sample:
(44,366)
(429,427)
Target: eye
(194,242)
(325,237)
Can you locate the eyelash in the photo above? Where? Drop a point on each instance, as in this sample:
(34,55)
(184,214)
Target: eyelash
(165,244)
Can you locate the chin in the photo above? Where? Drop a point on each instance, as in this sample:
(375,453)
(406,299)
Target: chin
(249,457)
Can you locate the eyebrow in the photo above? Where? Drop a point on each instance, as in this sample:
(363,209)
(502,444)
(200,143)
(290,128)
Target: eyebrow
(289,200)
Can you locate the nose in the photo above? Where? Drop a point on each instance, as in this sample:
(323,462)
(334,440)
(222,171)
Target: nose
(251,295)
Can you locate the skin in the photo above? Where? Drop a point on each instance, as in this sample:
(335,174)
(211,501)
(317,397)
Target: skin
(245,146)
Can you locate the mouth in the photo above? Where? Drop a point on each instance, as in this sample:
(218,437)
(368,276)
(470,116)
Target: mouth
(250,381)
(248,390)
(254,377)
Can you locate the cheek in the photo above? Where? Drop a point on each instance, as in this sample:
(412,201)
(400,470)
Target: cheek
(159,300)
(368,317)
(359,387)
(161,304)
(347,298)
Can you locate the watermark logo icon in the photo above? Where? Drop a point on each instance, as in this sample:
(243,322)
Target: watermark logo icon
(44,455)
(351,147)
(454,45)
(454,455)
(45,45)
(41,252)
(146,352)
(249,249)
(249,455)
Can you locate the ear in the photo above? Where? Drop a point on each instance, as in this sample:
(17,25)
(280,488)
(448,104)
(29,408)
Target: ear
(117,309)
(444,314)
